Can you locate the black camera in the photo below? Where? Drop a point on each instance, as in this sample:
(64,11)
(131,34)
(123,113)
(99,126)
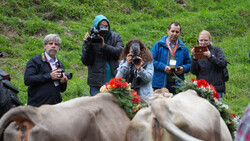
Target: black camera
(1,54)
(67,74)
(93,38)
(135,51)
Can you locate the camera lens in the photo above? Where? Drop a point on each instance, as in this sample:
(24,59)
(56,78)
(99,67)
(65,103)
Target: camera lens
(69,75)
(136,60)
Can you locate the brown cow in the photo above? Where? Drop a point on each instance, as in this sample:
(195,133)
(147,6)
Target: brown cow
(186,116)
(96,118)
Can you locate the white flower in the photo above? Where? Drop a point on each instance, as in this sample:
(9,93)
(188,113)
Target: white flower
(195,82)
(224,105)
(103,89)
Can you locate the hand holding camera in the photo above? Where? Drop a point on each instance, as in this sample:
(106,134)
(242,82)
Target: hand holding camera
(56,74)
(96,36)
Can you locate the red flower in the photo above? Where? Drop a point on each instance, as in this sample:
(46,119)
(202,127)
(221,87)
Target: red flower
(135,93)
(212,87)
(202,83)
(136,100)
(119,78)
(216,95)
(125,85)
(118,84)
(193,79)
(233,115)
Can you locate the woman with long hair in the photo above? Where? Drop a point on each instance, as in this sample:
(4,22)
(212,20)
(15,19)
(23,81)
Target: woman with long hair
(136,66)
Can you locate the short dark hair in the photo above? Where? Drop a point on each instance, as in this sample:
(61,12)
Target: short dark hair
(175,23)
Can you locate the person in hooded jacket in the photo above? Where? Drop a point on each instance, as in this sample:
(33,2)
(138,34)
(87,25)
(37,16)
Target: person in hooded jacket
(171,57)
(101,59)
(211,68)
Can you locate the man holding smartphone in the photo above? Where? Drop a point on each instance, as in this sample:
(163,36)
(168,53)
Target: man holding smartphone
(171,57)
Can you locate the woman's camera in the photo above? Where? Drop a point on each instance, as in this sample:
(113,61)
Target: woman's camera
(135,50)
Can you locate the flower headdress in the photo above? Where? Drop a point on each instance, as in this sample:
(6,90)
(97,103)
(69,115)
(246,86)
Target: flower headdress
(124,95)
(207,91)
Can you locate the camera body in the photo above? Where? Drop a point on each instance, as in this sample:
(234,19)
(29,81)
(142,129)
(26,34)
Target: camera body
(93,38)
(67,74)
(135,51)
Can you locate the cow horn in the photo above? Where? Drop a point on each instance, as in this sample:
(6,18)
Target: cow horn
(165,122)
(23,112)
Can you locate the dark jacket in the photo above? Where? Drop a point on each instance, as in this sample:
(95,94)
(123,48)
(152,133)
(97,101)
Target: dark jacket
(162,55)
(41,87)
(211,69)
(95,57)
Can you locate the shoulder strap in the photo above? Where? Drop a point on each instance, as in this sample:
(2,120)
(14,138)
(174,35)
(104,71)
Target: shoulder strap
(43,57)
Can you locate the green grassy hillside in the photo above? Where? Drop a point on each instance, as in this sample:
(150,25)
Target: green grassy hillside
(24,24)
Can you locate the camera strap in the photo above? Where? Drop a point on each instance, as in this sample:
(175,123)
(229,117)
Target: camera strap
(51,66)
(56,83)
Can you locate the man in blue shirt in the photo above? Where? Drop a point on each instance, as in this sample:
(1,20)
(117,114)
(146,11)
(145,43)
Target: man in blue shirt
(171,57)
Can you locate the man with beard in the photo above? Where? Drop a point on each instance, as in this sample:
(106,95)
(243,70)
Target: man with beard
(102,58)
(44,75)
(171,57)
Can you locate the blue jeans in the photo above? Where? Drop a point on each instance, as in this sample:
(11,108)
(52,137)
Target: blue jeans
(170,87)
(220,95)
(94,90)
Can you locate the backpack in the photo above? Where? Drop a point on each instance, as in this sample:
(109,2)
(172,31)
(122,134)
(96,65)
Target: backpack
(225,73)
(8,94)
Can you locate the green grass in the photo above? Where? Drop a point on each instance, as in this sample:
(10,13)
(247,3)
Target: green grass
(24,24)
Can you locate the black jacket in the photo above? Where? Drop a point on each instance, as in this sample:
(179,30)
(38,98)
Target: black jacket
(95,58)
(211,69)
(41,87)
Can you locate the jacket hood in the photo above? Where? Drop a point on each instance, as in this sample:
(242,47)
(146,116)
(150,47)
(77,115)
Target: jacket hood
(98,19)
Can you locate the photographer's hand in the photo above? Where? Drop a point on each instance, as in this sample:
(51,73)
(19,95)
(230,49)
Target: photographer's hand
(64,79)
(129,58)
(207,53)
(55,74)
(86,36)
(138,67)
(192,51)
(102,45)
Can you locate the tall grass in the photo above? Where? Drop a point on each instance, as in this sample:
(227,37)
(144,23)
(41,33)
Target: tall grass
(24,24)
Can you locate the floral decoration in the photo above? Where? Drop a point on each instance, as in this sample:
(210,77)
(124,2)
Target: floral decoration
(124,95)
(207,91)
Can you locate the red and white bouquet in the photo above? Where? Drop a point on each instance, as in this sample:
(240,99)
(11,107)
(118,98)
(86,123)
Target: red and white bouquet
(124,95)
(207,91)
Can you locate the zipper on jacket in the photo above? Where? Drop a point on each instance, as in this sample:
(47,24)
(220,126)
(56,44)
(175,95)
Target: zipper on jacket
(165,79)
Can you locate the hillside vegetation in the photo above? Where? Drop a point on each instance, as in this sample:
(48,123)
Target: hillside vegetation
(24,24)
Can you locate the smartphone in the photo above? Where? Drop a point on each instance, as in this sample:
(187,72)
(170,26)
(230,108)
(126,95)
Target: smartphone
(198,52)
